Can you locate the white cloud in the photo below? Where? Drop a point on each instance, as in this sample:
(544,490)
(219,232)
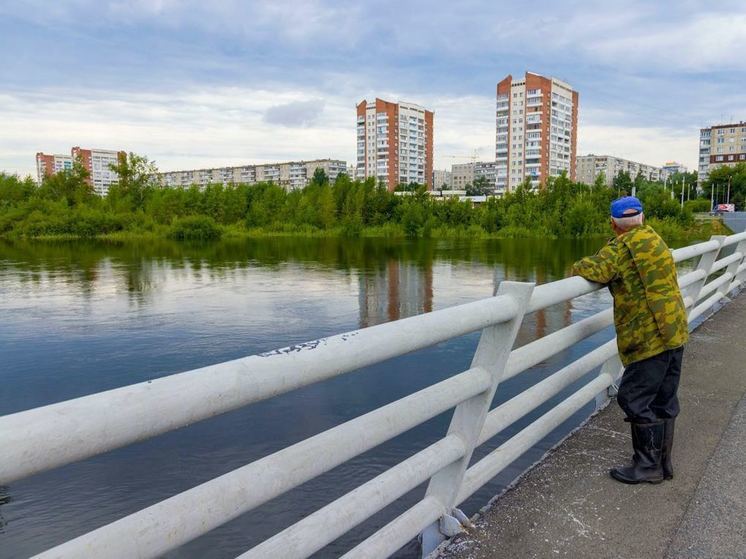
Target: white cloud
(211,127)
(296,113)
(192,129)
(703,42)
(653,145)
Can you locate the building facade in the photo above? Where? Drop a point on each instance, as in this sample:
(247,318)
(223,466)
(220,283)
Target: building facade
(590,166)
(442,179)
(463,174)
(292,175)
(47,165)
(96,161)
(536,130)
(722,144)
(673,167)
(394,143)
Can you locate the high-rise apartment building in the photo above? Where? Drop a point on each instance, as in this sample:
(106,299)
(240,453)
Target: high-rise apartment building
(291,175)
(722,144)
(394,143)
(48,165)
(588,167)
(537,126)
(96,161)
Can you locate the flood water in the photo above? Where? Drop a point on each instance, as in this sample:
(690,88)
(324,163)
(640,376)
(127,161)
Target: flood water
(78,318)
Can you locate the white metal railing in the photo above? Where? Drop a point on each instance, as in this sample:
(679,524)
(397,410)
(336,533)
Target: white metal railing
(44,438)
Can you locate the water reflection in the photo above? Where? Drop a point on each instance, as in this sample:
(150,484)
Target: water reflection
(395,277)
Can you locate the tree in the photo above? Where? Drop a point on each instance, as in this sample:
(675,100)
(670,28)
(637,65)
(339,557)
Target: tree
(724,178)
(639,181)
(136,177)
(480,187)
(70,185)
(319,177)
(14,190)
(622,183)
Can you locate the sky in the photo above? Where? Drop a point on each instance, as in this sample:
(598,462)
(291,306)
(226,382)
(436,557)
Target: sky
(195,84)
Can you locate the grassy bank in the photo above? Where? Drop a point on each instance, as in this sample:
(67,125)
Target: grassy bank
(63,207)
(670,231)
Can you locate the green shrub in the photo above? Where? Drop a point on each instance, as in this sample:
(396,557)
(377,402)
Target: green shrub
(698,205)
(195,228)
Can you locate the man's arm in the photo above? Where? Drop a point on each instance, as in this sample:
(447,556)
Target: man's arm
(601,267)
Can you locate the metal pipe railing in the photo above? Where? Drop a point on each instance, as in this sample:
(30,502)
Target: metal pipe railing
(399,531)
(527,401)
(50,436)
(54,435)
(725,262)
(224,498)
(539,350)
(492,464)
(309,535)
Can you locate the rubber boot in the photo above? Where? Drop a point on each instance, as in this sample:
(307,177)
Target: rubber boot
(668,430)
(647,442)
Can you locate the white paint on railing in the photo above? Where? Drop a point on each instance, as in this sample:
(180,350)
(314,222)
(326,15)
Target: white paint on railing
(50,436)
(183,517)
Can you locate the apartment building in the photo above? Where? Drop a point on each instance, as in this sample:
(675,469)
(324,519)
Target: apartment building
(442,179)
(673,167)
(590,166)
(47,165)
(394,143)
(536,132)
(292,175)
(721,144)
(96,161)
(463,174)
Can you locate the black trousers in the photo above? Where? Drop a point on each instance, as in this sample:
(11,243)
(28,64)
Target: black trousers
(648,388)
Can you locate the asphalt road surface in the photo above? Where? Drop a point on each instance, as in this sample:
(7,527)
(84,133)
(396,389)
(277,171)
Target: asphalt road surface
(736,221)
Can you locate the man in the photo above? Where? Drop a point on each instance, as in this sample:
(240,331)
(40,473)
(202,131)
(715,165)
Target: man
(651,327)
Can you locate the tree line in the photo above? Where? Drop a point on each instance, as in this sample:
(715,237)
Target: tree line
(64,205)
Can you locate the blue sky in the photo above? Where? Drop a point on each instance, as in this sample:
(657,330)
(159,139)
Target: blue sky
(196,84)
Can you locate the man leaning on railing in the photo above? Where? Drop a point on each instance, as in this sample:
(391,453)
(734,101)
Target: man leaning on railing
(651,328)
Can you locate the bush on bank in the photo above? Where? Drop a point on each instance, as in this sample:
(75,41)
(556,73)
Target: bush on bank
(64,206)
(195,228)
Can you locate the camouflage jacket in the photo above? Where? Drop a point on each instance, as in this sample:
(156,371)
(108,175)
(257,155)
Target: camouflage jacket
(649,313)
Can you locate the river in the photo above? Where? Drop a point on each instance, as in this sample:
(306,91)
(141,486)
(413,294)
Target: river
(81,317)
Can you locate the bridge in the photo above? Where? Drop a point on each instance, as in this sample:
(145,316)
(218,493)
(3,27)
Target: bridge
(40,439)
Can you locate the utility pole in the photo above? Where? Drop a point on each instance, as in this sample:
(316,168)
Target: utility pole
(712,197)
(728,201)
(682,193)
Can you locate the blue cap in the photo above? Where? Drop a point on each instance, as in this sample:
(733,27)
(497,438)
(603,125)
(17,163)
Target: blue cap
(626,206)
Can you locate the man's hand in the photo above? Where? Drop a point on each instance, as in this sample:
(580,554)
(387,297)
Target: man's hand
(601,267)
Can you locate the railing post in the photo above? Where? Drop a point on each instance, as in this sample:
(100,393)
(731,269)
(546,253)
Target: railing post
(733,268)
(612,366)
(467,422)
(705,263)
